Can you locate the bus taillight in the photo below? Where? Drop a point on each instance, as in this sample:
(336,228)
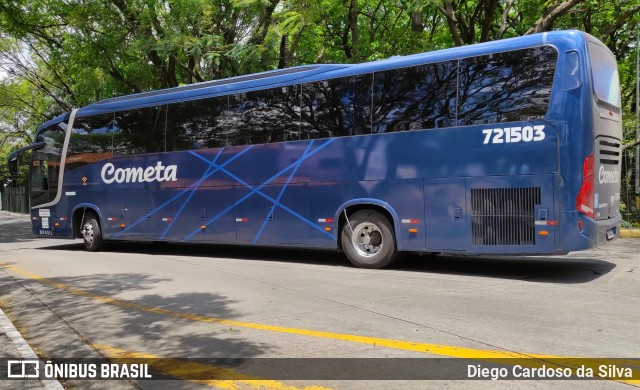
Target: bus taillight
(584,200)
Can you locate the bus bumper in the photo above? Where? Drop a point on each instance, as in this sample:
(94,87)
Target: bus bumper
(601,232)
(608,230)
(592,234)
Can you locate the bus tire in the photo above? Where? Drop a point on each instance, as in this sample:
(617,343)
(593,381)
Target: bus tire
(372,242)
(91,233)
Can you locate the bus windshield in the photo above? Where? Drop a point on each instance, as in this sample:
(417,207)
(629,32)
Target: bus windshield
(45,165)
(604,70)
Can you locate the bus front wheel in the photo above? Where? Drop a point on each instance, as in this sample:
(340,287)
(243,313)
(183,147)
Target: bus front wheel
(368,240)
(91,233)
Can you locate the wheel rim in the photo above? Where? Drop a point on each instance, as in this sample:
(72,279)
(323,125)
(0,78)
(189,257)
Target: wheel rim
(366,239)
(87,233)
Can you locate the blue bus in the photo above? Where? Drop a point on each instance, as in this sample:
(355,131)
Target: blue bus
(504,147)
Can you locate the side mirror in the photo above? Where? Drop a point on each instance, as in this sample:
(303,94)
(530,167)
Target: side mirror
(13,166)
(12,161)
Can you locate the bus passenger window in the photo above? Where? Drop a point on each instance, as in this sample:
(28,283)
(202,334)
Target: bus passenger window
(197,124)
(415,98)
(337,107)
(91,141)
(265,116)
(139,131)
(505,87)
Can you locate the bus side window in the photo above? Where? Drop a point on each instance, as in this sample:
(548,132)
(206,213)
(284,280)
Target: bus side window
(197,124)
(91,141)
(337,107)
(505,87)
(265,116)
(315,109)
(139,131)
(415,98)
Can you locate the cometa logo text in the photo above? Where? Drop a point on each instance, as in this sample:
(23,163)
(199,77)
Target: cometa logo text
(150,174)
(608,177)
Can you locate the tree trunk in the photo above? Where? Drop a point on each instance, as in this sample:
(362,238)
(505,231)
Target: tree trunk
(263,23)
(417,24)
(294,46)
(171,72)
(490,8)
(284,50)
(353,22)
(448,12)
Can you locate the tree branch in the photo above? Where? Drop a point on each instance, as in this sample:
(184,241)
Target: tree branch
(448,12)
(545,23)
(263,23)
(505,15)
(620,20)
(630,145)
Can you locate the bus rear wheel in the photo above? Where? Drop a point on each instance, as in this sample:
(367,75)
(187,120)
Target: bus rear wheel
(91,233)
(368,240)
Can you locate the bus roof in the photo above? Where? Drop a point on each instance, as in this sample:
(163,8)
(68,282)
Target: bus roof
(309,73)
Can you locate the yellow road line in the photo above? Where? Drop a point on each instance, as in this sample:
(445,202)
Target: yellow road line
(524,359)
(185,370)
(437,349)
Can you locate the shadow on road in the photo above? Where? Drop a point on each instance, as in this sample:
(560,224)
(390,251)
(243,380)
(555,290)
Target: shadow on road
(240,252)
(14,230)
(133,321)
(547,269)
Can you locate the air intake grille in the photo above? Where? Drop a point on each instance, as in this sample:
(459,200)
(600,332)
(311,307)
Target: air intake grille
(504,216)
(609,152)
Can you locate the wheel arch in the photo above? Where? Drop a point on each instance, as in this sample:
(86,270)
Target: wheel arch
(356,205)
(76,216)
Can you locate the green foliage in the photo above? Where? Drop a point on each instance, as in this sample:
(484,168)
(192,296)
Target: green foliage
(60,54)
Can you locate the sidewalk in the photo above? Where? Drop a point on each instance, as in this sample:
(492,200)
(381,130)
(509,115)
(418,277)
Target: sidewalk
(53,337)
(630,233)
(13,346)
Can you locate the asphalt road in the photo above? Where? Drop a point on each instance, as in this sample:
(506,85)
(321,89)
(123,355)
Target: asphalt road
(177,301)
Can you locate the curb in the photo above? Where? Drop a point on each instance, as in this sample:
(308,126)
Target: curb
(24,349)
(13,214)
(635,233)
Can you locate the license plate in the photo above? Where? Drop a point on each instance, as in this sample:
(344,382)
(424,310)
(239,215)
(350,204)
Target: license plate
(610,234)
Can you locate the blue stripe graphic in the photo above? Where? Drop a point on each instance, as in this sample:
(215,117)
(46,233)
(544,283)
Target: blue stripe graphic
(257,190)
(196,184)
(293,173)
(193,191)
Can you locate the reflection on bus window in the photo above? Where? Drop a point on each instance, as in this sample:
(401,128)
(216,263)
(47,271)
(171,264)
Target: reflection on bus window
(505,87)
(45,166)
(91,141)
